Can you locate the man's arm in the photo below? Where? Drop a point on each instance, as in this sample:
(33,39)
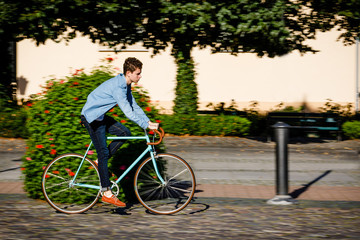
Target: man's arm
(139,111)
(134,115)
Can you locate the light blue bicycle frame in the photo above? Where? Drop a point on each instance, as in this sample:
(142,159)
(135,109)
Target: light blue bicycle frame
(149,149)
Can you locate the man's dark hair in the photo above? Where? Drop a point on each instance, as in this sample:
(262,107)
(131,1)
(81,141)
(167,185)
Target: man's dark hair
(131,64)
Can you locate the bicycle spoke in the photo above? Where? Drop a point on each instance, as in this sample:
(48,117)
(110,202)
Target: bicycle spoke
(183,171)
(180,189)
(60,191)
(57,176)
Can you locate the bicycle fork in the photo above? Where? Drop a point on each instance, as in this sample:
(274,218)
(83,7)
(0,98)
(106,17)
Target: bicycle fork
(153,158)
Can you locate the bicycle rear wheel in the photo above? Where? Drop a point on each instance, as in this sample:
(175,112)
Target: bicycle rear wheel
(168,198)
(58,185)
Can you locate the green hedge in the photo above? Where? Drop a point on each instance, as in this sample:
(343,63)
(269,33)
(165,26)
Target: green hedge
(351,129)
(12,123)
(205,125)
(54,125)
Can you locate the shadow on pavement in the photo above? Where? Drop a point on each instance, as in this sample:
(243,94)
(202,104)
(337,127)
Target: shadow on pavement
(296,193)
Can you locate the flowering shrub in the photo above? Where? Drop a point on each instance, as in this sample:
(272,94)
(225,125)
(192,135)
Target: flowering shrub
(54,125)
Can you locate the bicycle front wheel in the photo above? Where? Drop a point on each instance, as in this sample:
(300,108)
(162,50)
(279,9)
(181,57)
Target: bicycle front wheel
(169,197)
(64,193)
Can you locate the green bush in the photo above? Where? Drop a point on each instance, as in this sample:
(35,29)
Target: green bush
(12,123)
(54,125)
(205,125)
(352,129)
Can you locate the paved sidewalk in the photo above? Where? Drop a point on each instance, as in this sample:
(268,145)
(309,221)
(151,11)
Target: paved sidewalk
(240,168)
(235,178)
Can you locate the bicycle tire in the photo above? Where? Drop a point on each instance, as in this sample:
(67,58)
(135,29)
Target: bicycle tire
(175,194)
(56,183)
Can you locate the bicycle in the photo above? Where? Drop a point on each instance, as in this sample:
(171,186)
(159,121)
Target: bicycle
(164,183)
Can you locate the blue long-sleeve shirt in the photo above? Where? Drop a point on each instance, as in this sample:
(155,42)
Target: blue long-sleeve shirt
(107,95)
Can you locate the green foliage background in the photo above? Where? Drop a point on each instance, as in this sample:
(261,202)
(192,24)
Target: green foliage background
(186,94)
(352,129)
(198,125)
(54,125)
(12,122)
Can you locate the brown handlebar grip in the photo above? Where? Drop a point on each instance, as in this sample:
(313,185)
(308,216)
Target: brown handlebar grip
(161,134)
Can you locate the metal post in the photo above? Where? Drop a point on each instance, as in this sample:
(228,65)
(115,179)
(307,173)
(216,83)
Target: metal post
(282,177)
(281,138)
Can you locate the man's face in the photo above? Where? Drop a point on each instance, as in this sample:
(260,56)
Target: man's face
(134,76)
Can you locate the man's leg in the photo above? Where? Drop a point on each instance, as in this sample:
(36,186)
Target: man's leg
(115,128)
(97,132)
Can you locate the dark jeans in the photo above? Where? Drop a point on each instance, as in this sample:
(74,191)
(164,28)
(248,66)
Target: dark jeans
(97,131)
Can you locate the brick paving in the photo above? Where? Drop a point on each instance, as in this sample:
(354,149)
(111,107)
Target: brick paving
(221,209)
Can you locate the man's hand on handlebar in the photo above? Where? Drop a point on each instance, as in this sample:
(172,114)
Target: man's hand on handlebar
(153,126)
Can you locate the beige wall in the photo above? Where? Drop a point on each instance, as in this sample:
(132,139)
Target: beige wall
(292,79)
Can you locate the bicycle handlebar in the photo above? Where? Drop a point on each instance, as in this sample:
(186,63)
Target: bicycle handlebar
(161,135)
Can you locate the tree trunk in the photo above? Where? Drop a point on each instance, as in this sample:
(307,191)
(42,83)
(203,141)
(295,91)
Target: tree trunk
(7,73)
(186,99)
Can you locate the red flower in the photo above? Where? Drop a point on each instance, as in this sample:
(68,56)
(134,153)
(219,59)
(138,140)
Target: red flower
(148,109)
(151,132)
(46,111)
(158,121)
(77,72)
(115,115)
(39,146)
(75,98)
(71,174)
(23,169)
(29,104)
(56,172)
(75,83)
(53,151)
(48,133)
(123,121)
(52,145)
(111,110)
(47,176)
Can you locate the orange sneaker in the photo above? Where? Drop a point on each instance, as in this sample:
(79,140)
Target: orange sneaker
(113,200)
(96,162)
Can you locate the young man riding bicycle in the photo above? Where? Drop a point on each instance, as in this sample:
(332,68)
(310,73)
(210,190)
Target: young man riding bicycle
(115,91)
